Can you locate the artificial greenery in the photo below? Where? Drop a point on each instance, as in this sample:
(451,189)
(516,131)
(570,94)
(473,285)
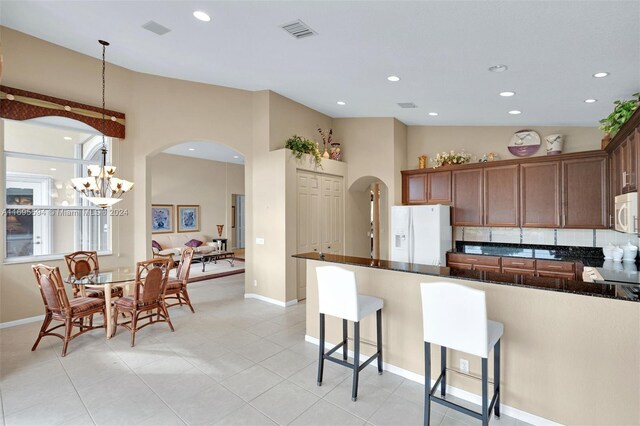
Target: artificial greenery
(300,145)
(621,113)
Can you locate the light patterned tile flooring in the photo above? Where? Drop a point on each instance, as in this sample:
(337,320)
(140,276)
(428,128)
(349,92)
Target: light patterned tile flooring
(235,361)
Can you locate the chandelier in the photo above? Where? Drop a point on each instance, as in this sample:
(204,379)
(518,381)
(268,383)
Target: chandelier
(101,187)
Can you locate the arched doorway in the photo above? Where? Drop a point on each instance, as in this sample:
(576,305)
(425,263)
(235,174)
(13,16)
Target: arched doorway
(368,217)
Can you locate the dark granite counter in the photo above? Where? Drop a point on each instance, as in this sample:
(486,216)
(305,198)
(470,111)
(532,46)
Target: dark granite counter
(589,256)
(608,290)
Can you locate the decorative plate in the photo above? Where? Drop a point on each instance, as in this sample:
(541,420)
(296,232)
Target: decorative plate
(524,143)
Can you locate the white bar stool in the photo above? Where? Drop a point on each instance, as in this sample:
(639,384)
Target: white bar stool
(338,296)
(455,316)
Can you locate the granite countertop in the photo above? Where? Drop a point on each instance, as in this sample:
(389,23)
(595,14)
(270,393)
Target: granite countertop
(588,256)
(608,290)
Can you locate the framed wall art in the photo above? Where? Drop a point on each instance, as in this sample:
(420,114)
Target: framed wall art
(161,218)
(188,218)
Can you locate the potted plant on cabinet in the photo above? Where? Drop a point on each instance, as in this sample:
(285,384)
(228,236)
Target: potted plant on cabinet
(299,145)
(622,111)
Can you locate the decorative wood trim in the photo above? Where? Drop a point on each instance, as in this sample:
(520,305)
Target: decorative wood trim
(18,104)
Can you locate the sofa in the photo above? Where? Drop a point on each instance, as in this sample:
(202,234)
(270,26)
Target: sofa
(172,244)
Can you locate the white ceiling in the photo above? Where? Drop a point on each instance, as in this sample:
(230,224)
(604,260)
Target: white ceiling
(441,50)
(207,151)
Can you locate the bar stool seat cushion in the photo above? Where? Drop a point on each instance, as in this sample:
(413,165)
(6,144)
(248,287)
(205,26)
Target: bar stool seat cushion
(368,305)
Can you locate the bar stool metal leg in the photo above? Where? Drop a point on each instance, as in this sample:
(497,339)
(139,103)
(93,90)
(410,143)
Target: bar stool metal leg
(345,340)
(443,370)
(485,393)
(427,382)
(379,338)
(356,359)
(321,351)
(496,377)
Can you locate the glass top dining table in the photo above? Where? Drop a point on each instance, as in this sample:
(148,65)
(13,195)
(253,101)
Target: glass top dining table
(104,276)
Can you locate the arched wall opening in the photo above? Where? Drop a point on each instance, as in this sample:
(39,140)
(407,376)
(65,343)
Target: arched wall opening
(368,218)
(201,185)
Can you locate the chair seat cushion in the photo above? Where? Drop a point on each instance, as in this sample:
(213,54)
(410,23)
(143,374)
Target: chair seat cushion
(127,303)
(494,333)
(96,292)
(368,305)
(84,304)
(173,285)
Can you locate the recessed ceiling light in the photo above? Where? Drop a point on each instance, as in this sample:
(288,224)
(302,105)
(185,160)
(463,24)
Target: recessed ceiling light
(433,114)
(67,138)
(53,169)
(515,112)
(341,103)
(507,94)
(601,74)
(393,78)
(202,16)
(590,101)
(192,149)
(236,156)
(498,68)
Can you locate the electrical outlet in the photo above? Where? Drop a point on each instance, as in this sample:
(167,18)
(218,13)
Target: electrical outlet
(464,365)
(255,283)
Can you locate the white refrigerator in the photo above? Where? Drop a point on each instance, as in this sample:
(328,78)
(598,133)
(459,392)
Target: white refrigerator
(420,234)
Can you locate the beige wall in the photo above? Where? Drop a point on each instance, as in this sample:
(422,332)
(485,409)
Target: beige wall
(571,359)
(429,140)
(209,184)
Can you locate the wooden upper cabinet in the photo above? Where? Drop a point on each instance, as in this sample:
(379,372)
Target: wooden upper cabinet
(501,207)
(416,189)
(467,197)
(439,187)
(540,195)
(584,193)
(629,167)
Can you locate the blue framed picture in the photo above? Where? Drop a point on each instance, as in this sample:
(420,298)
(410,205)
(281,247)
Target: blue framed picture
(161,218)
(188,218)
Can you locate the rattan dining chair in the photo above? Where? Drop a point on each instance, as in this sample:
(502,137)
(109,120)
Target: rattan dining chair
(177,287)
(82,263)
(59,308)
(151,282)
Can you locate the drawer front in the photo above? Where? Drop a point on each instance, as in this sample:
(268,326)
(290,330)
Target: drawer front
(474,259)
(486,268)
(555,266)
(528,272)
(564,275)
(515,262)
(459,265)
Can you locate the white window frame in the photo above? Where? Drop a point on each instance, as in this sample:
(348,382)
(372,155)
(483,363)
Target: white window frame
(39,204)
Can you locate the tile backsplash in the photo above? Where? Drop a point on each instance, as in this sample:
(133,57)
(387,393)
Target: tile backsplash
(560,237)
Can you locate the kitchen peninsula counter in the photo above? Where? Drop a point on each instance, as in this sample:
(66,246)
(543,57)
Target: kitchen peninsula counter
(610,290)
(571,355)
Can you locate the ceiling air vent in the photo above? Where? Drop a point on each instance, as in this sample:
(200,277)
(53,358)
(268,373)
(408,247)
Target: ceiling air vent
(156,28)
(298,29)
(407,105)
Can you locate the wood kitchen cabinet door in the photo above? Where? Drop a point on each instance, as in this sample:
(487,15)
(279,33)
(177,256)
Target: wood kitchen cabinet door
(439,187)
(501,207)
(540,195)
(630,166)
(615,180)
(416,189)
(467,197)
(584,192)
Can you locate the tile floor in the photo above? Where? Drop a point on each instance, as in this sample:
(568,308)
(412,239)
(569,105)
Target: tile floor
(235,361)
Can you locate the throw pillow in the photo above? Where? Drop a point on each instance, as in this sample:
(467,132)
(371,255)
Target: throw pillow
(193,243)
(156,245)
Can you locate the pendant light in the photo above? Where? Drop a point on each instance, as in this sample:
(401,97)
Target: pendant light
(101,187)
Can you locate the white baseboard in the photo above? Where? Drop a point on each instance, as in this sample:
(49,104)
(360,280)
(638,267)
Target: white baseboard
(270,300)
(459,393)
(21,321)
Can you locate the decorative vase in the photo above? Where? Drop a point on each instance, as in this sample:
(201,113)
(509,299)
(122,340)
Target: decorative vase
(220,228)
(335,151)
(554,144)
(422,162)
(325,154)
